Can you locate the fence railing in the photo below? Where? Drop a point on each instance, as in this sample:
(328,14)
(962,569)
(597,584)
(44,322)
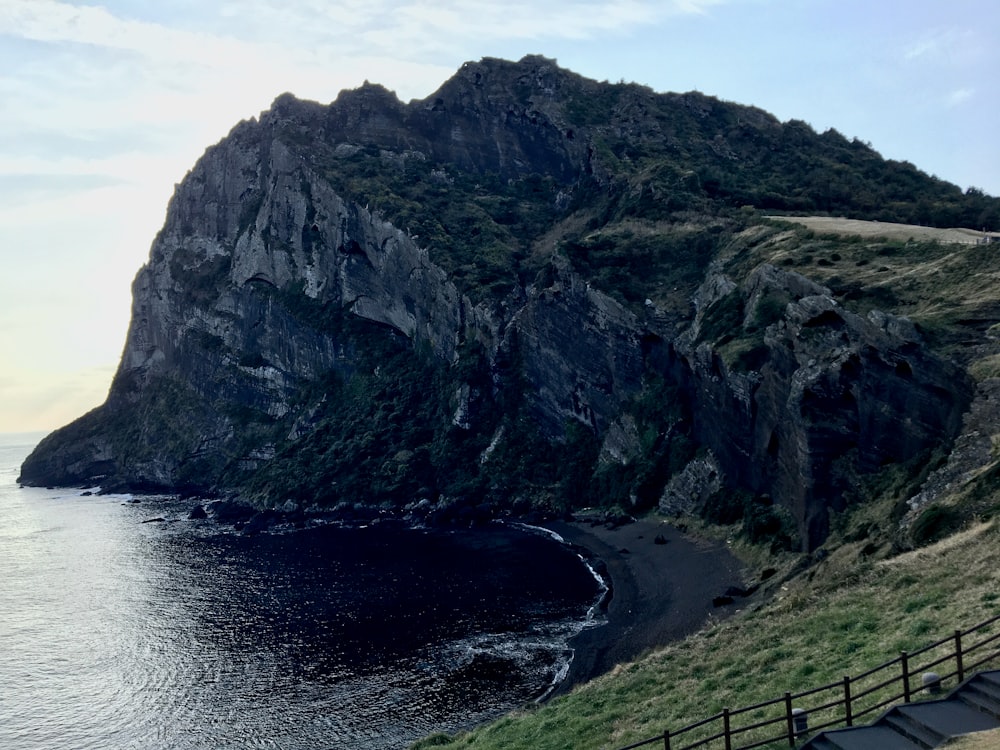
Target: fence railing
(785,720)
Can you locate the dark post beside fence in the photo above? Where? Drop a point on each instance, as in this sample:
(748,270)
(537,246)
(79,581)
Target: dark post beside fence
(903,658)
(848,715)
(801,717)
(790,719)
(725,728)
(666,739)
(958,656)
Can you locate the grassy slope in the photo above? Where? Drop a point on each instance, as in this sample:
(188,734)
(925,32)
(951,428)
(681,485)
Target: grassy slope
(843,617)
(889,230)
(951,291)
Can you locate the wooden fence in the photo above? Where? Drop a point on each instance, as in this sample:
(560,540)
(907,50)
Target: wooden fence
(783,721)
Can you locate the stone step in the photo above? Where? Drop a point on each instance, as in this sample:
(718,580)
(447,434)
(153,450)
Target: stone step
(972,707)
(947,718)
(974,696)
(989,683)
(874,737)
(911,727)
(821,742)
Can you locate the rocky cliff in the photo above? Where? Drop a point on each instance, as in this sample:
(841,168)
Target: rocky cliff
(527,290)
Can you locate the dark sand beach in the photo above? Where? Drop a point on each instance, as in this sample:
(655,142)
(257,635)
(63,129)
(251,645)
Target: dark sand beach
(661,592)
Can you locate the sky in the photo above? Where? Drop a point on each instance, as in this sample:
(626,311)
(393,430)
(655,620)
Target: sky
(104,107)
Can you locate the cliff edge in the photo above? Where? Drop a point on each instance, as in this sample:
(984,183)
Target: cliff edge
(530,291)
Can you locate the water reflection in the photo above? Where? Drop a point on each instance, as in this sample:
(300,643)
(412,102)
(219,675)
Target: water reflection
(119,634)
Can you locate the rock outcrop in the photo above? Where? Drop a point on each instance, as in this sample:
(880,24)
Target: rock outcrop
(689,490)
(275,250)
(816,397)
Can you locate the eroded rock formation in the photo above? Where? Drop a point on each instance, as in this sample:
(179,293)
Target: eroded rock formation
(243,315)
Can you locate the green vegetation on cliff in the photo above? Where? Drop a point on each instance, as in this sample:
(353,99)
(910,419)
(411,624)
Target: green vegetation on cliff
(531,290)
(479,226)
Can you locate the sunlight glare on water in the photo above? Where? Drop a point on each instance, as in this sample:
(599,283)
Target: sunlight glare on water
(119,631)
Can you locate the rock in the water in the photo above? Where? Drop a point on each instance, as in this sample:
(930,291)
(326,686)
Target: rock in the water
(230,511)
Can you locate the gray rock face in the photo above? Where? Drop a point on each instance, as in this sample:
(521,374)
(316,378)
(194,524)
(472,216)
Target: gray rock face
(580,353)
(972,455)
(835,390)
(232,306)
(214,266)
(256,252)
(688,490)
(238,320)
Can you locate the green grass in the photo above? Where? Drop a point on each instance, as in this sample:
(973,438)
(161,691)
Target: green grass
(977,741)
(852,615)
(947,290)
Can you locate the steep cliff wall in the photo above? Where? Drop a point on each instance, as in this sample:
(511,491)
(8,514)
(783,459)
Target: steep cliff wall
(808,395)
(288,289)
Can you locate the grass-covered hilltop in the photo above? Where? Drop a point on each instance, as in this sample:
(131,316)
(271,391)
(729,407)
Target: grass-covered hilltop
(531,293)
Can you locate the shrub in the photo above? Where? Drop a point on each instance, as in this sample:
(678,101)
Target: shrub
(722,318)
(933,523)
(762,521)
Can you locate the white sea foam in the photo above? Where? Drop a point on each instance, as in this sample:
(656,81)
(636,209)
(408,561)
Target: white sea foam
(594,617)
(595,614)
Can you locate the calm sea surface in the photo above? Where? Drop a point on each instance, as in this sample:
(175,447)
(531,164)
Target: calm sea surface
(118,631)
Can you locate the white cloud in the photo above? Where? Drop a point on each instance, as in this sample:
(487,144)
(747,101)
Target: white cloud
(53,21)
(524,20)
(258,46)
(43,400)
(494,18)
(944,46)
(960,96)
(94,71)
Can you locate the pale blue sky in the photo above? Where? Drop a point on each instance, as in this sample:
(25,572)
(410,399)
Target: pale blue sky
(105,106)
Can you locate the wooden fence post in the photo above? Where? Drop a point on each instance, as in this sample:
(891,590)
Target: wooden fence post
(788,717)
(959,666)
(666,739)
(725,726)
(848,714)
(903,657)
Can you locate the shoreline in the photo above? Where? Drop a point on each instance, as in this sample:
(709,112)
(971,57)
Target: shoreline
(660,581)
(660,591)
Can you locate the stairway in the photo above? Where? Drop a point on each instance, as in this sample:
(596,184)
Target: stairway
(971,707)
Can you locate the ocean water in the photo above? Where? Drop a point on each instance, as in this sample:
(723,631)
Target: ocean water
(121,631)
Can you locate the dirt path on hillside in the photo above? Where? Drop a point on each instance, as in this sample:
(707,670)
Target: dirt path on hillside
(857,227)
